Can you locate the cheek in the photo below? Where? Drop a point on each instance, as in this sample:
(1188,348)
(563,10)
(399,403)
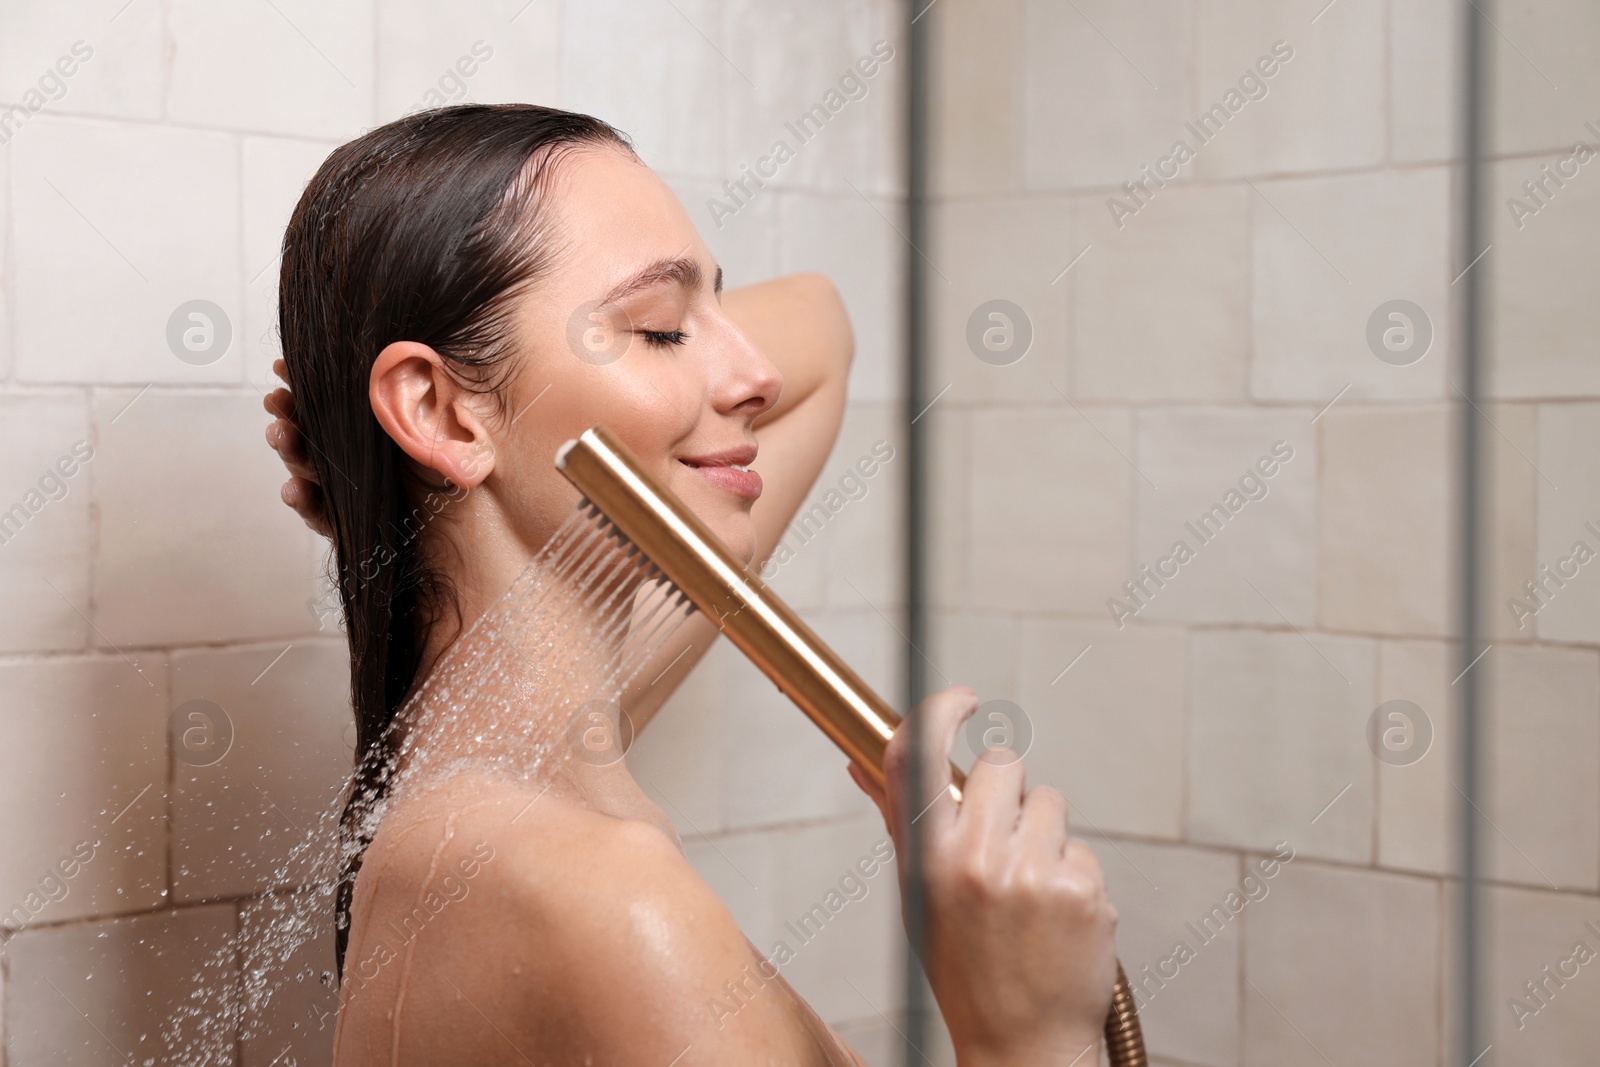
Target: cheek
(534,494)
(653,402)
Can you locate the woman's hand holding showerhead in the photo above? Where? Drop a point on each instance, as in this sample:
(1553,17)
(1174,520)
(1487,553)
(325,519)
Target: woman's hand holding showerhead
(1020,947)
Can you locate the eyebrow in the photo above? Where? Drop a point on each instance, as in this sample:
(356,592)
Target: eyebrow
(680,269)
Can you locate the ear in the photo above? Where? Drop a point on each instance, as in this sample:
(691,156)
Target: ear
(435,420)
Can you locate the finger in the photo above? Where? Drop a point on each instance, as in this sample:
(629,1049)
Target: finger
(285,440)
(293,444)
(1082,863)
(280,403)
(1042,826)
(992,800)
(280,368)
(305,498)
(940,715)
(299,494)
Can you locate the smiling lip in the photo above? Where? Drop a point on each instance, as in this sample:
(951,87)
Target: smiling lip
(721,470)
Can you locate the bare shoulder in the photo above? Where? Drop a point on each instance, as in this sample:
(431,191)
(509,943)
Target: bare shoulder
(627,945)
(577,937)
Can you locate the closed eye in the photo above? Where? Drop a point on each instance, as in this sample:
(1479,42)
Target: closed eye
(663,338)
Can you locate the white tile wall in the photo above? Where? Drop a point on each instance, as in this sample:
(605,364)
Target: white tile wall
(1108,728)
(1424,52)
(654,72)
(1542,802)
(1236,300)
(86,778)
(863,567)
(1277,746)
(166,232)
(483,51)
(1385,520)
(1418,801)
(949,506)
(976,103)
(1518,477)
(277,785)
(116,71)
(1329,252)
(1543,76)
(1161,303)
(1188,998)
(1014,250)
(1323,109)
(45,539)
(155,987)
(1049,491)
(781,61)
(1344,962)
(1529,931)
(7,288)
(1537,271)
(292,67)
(856,243)
(1567,608)
(978,650)
(1107,88)
(802,576)
(239,544)
(1255,560)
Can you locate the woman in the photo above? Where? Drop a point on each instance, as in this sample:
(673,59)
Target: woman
(442,276)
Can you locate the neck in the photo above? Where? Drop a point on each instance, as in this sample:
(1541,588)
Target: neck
(533,650)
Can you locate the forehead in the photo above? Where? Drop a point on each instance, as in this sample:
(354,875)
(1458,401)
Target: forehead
(617,215)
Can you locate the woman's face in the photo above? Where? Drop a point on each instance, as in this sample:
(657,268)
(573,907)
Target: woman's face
(628,330)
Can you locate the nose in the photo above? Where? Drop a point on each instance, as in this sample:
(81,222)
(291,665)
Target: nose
(746,383)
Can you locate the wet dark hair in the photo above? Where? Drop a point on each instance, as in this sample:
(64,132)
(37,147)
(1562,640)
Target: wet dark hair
(426,229)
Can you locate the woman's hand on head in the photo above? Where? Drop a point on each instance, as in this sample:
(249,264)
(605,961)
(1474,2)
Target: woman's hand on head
(1020,947)
(301,492)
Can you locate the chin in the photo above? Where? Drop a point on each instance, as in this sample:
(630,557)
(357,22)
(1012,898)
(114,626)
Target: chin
(734,529)
(738,533)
